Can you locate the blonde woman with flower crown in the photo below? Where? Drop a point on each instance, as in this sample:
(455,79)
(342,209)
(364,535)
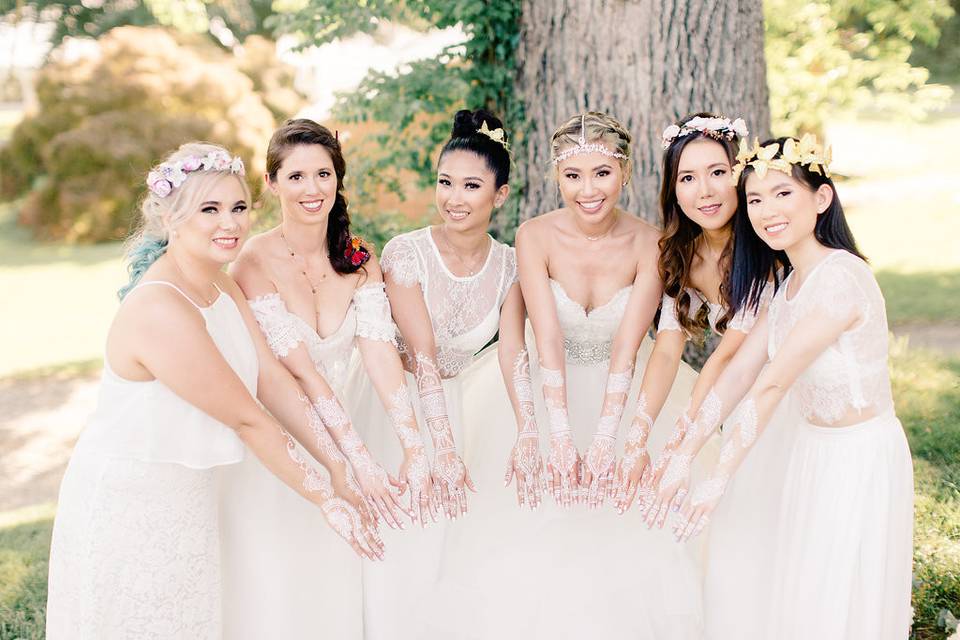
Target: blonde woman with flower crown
(135,550)
(590,281)
(842,562)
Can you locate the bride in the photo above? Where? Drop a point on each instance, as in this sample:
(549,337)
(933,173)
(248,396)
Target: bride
(590,282)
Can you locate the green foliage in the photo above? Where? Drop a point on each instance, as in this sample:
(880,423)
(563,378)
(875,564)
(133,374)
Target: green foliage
(95,18)
(105,120)
(849,55)
(24,550)
(943,57)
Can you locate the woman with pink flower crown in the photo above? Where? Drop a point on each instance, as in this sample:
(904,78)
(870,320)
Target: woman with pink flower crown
(841,567)
(135,550)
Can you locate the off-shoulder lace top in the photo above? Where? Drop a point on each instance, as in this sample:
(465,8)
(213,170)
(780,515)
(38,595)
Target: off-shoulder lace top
(367,316)
(464,311)
(852,373)
(742,321)
(587,337)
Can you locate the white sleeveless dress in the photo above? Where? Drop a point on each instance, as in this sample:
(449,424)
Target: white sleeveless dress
(287,574)
(842,567)
(408,596)
(135,551)
(741,539)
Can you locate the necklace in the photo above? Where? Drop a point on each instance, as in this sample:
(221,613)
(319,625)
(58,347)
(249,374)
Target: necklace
(605,233)
(471,271)
(205,299)
(306,276)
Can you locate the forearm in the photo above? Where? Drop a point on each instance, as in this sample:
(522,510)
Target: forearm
(709,374)
(386,372)
(658,379)
(433,402)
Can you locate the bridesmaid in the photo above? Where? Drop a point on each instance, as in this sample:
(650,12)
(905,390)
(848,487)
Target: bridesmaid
(842,568)
(317,293)
(135,550)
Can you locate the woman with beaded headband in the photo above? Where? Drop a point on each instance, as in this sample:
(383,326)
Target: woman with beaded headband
(135,550)
(698,202)
(453,289)
(591,284)
(842,565)
(317,294)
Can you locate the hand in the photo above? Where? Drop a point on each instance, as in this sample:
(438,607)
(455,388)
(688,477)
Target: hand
(698,507)
(598,469)
(381,490)
(415,474)
(450,476)
(563,468)
(634,471)
(680,429)
(526,465)
(350,516)
(672,490)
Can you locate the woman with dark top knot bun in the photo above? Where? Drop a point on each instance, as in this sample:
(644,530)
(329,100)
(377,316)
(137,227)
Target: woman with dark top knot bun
(453,289)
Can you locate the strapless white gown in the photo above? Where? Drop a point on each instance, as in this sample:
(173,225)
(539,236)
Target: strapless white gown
(553,574)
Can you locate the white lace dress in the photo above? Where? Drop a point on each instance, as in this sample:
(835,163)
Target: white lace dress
(135,550)
(741,539)
(597,574)
(842,569)
(287,574)
(410,594)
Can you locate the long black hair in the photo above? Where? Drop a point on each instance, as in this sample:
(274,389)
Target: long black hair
(466,136)
(754,262)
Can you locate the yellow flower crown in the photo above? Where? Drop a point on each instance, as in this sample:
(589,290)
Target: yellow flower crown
(805,152)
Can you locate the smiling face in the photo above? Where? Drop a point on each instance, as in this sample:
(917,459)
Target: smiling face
(783,211)
(216,229)
(466,191)
(306,184)
(590,184)
(703,188)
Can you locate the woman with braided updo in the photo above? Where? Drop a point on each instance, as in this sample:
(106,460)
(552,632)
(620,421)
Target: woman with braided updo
(135,550)
(590,279)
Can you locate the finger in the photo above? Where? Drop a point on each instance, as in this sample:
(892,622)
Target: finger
(398,484)
(360,551)
(397,510)
(662,514)
(445,500)
(555,485)
(467,481)
(509,474)
(386,512)
(462,500)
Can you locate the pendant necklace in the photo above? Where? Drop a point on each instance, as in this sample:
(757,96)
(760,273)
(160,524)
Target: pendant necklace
(306,276)
(470,271)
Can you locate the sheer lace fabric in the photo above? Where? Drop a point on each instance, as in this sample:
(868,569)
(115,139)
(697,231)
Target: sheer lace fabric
(743,320)
(587,336)
(464,311)
(852,372)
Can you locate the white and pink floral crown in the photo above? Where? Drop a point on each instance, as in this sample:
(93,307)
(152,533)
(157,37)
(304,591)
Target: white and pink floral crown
(583,147)
(714,127)
(170,175)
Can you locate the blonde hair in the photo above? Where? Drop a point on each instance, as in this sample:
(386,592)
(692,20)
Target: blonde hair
(594,127)
(161,215)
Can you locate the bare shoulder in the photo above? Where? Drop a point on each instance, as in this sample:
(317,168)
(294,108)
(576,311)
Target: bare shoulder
(371,271)
(153,310)
(251,268)
(646,236)
(538,229)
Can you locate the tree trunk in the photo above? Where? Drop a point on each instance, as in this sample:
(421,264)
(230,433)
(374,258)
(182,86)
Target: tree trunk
(647,63)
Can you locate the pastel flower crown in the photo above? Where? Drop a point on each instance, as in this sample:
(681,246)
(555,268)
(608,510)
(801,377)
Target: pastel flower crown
(170,175)
(583,147)
(806,151)
(716,128)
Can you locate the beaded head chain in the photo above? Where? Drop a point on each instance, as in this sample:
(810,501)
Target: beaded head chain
(583,147)
(169,175)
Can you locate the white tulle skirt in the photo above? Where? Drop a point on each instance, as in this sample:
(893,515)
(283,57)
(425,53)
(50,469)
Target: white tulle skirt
(842,569)
(135,552)
(511,573)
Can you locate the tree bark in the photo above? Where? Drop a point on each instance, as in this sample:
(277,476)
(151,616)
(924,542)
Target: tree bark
(647,63)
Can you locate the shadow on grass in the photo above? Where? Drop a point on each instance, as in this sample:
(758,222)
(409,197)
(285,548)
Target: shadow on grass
(928,296)
(24,551)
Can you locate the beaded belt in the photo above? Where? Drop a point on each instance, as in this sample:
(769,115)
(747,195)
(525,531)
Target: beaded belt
(586,352)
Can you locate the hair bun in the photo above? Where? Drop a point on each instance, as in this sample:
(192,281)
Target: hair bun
(467,123)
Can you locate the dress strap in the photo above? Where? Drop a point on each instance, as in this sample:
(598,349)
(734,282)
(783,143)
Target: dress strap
(174,287)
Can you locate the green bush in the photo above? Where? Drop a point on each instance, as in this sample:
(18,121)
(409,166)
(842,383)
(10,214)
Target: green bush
(105,119)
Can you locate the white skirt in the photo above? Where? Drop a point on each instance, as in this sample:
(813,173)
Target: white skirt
(135,552)
(554,573)
(843,564)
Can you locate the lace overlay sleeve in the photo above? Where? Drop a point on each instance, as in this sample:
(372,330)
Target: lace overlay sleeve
(399,259)
(277,324)
(668,315)
(510,265)
(374,320)
(745,318)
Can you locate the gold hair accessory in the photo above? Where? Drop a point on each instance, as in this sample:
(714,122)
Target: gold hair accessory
(497,135)
(806,151)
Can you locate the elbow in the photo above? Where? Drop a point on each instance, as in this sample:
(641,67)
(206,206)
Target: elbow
(770,391)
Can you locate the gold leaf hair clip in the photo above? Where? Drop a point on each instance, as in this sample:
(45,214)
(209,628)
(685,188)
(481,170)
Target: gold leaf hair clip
(806,151)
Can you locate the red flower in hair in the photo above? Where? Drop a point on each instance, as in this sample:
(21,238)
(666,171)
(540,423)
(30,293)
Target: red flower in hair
(357,258)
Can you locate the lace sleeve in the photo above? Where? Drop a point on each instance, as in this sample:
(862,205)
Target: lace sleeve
(374,320)
(746,317)
(277,324)
(399,259)
(838,294)
(510,265)
(668,315)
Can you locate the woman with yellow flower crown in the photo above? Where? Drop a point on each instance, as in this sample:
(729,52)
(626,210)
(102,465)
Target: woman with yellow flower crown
(842,564)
